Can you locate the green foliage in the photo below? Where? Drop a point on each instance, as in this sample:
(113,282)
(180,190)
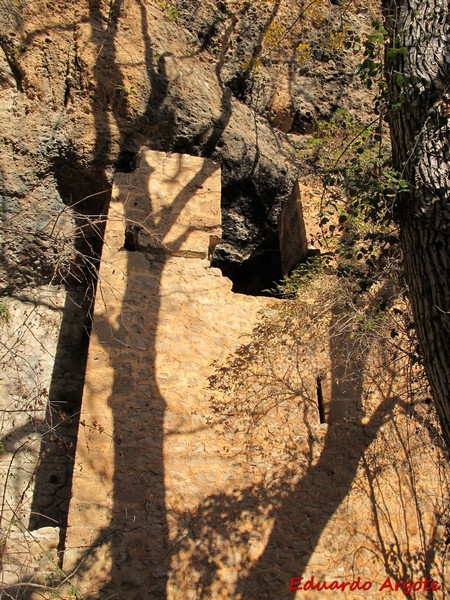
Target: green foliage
(359,234)
(251,64)
(359,230)
(335,40)
(300,278)
(358,227)
(341,137)
(274,34)
(19,49)
(123,91)
(4,313)
(394,53)
(303,53)
(380,53)
(315,12)
(371,68)
(171,11)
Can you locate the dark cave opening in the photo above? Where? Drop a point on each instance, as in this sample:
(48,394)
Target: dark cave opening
(256,276)
(249,253)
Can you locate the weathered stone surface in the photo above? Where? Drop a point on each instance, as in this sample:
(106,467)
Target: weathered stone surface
(155,317)
(99,79)
(176,492)
(29,329)
(29,555)
(41,376)
(175,195)
(88,96)
(292,232)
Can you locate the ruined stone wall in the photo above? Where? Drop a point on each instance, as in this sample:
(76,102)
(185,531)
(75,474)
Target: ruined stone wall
(30,326)
(162,316)
(43,342)
(202,468)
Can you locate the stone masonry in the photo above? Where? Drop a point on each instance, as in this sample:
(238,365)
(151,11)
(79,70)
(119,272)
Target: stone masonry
(188,489)
(162,316)
(292,232)
(29,328)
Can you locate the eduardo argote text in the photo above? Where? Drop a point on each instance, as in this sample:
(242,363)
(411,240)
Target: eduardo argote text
(407,586)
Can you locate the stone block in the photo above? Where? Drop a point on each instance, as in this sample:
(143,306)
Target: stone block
(292,232)
(171,203)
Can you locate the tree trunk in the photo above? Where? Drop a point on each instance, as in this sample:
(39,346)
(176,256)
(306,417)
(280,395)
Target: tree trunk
(420,133)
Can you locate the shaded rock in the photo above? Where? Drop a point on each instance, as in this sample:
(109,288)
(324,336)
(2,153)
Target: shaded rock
(116,80)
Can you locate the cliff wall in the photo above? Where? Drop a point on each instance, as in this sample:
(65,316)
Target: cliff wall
(191,478)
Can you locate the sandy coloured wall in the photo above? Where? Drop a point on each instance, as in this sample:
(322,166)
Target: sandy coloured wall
(162,316)
(203,476)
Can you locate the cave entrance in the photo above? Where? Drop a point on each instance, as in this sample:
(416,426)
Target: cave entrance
(277,256)
(256,276)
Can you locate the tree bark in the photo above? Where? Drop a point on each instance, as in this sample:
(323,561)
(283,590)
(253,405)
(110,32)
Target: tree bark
(420,133)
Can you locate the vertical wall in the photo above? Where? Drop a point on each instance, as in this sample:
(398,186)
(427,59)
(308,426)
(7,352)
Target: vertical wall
(292,232)
(162,317)
(200,475)
(30,325)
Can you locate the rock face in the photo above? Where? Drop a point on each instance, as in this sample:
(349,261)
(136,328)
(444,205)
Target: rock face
(85,85)
(41,374)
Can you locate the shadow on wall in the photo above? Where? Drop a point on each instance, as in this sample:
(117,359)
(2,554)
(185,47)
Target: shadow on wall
(136,536)
(119,487)
(87,192)
(53,478)
(275,384)
(308,470)
(131,520)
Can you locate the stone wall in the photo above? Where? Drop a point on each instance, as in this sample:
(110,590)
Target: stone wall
(202,468)
(162,316)
(30,326)
(43,341)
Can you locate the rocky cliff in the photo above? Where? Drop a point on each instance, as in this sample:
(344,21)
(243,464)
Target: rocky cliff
(85,84)
(210,461)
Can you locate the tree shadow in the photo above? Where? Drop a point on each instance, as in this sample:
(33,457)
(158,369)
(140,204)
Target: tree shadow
(128,537)
(135,538)
(137,534)
(88,193)
(316,465)
(396,521)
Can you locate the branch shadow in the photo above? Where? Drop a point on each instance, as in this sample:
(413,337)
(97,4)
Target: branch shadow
(137,535)
(312,478)
(55,472)
(395,523)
